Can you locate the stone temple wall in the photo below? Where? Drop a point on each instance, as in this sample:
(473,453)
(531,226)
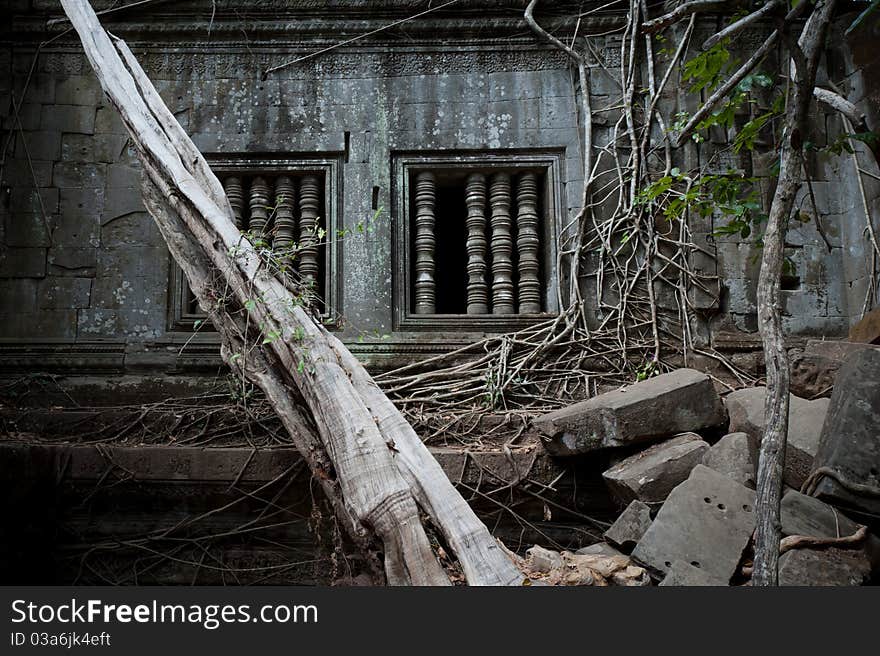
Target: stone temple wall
(84,274)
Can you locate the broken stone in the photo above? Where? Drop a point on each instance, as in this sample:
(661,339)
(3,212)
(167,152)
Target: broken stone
(850,440)
(804,515)
(650,475)
(683,574)
(630,526)
(867,330)
(814,370)
(680,401)
(548,567)
(707,521)
(598,549)
(734,455)
(805,419)
(824,567)
(544,560)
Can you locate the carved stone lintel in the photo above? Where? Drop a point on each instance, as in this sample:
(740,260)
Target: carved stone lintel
(285,222)
(477,289)
(235,194)
(425,285)
(503,300)
(259,205)
(309,206)
(527,243)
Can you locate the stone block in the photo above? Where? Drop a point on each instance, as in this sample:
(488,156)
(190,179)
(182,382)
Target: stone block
(81,202)
(40,89)
(599,549)
(77,231)
(28,118)
(68,118)
(27,229)
(36,201)
(72,261)
(19,295)
(44,324)
(685,575)
(123,175)
(107,121)
(867,330)
(804,515)
(805,419)
(21,173)
(630,526)
(850,439)
(544,560)
(78,175)
(734,455)
(64,293)
(107,148)
(121,201)
(22,262)
(707,521)
(42,144)
(650,475)
(79,90)
(824,567)
(680,401)
(814,370)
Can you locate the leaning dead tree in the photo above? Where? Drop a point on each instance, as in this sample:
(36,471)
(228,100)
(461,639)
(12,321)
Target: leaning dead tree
(372,466)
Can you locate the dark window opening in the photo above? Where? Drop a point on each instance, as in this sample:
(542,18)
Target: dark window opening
(477,241)
(284,211)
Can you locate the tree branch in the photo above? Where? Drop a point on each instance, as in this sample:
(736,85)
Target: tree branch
(741,24)
(686,9)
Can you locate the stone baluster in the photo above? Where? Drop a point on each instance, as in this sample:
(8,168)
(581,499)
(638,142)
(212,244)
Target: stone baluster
(425,285)
(309,206)
(477,289)
(502,245)
(259,205)
(529,292)
(285,222)
(235,194)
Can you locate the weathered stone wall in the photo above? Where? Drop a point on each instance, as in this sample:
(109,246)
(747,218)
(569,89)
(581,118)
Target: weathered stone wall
(84,273)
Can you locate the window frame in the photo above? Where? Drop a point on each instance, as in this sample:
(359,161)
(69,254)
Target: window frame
(180,319)
(404,164)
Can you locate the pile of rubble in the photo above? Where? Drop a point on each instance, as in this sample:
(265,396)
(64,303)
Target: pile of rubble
(685,471)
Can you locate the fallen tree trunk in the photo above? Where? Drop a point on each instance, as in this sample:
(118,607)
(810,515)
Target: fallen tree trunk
(371,464)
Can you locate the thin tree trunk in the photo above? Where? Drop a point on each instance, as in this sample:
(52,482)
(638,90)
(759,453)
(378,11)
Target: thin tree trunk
(370,462)
(772,456)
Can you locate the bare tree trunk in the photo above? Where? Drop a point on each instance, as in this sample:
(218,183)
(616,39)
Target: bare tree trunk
(772,457)
(370,462)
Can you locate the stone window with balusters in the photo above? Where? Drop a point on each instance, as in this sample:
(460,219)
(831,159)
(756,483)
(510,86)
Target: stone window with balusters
(286,205)
(476,240)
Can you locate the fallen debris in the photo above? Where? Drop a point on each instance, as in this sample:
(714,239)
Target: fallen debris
(734,455)
(682,574)
(804,515)
(582,569)
(543,560)
(847,463)
(629,527)
(650,410)
(707,521)
(814,370)
(867,330)
(599,549)
(805,419)
(824,567)
(650,475)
